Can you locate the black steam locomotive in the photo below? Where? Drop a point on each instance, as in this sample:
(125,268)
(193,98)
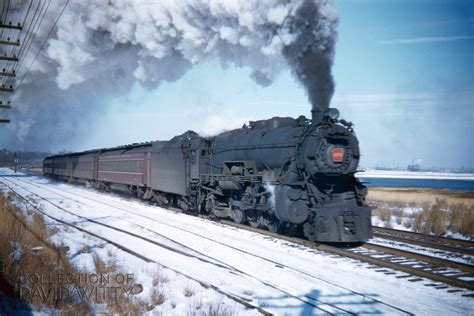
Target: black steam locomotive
(294,176)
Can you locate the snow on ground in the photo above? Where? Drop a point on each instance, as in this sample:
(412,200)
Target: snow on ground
(393,223)
(278,276)
(371,173)
(468,259)
(406,223)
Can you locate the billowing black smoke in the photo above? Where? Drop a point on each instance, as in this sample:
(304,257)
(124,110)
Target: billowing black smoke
(311,55)
(102,48)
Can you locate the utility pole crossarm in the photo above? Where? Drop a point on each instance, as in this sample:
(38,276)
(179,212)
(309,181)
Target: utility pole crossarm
(12,58)
(7,74)
(9,42)
(10,25)
(9,58)
(5,106)
(6,89)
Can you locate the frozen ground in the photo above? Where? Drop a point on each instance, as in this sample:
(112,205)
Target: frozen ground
(277,276)
(371,173)
(376,221)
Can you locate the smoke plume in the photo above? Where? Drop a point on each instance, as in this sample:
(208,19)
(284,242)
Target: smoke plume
(101,49)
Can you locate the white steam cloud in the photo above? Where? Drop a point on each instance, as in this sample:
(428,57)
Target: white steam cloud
(101,48)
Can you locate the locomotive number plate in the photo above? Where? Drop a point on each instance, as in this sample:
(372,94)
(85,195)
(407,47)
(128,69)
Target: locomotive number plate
(337,154)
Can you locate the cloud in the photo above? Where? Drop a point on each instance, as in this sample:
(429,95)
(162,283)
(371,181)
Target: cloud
(424,40)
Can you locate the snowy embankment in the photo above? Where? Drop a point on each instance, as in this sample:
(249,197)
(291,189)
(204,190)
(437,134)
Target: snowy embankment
(397,174)
(274,275)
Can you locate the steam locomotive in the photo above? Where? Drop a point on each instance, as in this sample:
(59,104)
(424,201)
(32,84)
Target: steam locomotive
(294,176)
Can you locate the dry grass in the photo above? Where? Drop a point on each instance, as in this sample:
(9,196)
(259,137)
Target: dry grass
(188,292)
(219,309)
(385,214)
(102,267)
(25,250)
(159,278)
(433,219)
(399,214)
(413,196)
(195,307)
(157,297)
(442,210)
(462,219)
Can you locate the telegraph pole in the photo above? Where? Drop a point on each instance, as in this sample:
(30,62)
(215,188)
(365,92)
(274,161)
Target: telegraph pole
(4,73)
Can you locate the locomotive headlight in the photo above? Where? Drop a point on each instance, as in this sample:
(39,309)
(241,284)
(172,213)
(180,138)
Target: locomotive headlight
(333,114)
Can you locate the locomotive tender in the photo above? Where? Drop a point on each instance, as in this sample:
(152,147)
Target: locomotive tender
(295,176)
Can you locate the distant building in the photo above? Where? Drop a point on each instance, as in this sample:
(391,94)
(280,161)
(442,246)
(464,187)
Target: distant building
(413,167)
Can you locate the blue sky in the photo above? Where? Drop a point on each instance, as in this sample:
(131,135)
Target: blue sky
(404,76)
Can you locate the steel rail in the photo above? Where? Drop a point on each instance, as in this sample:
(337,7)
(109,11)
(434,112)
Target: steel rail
(437,242)
(422,260)
(369,259)
(231,296)
(177,210)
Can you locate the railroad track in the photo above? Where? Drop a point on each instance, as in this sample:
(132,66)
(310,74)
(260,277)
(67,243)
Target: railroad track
(307,299)
(416,266)
(236,298)
(436,242)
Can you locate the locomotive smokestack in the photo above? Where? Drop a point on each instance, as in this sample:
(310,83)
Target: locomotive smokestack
(316,115)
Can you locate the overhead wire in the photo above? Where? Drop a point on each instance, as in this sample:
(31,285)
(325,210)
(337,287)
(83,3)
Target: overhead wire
(44,42)
(12,52)
(32,32)
(4,17)
(30,37)
(7,64)
(33,28)
(3,8)
(4,20)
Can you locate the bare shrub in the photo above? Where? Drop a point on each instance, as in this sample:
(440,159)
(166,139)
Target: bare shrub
(398,215)
(53,231)
(433,219)
(132,306)
(408,223)
(248,292)
(219,309)
(384,214)
(438,217)
(157,297)
(102,267)
(194,307)
(420,220)
(159,278)
(461,219)
(110,252)
(188,291)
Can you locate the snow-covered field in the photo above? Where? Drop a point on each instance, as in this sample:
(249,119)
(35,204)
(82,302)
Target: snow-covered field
(371,173)
(277,276)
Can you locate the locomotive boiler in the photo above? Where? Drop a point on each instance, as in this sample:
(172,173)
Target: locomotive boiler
(294,176)
(291,174)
